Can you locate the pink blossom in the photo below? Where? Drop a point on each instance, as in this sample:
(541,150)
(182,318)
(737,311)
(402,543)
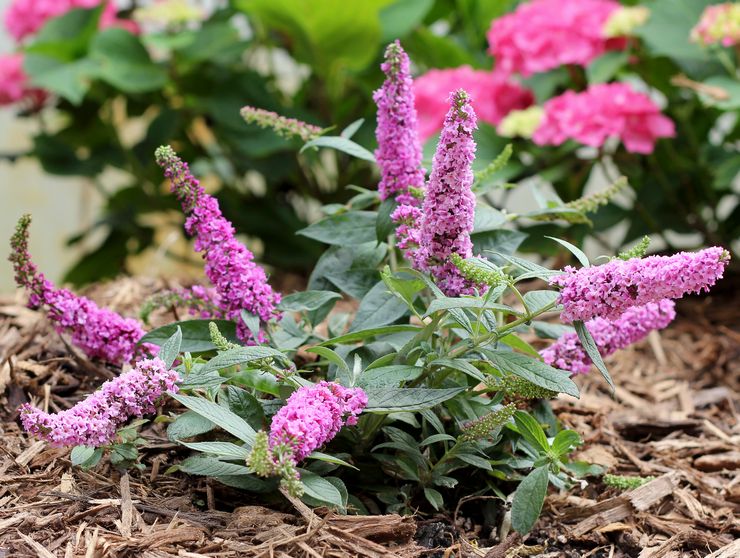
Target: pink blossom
(95,420)
(603,111)
(99,332)
(399,151)
(492,95)
(240,283)
(26,17)
(449,203)
(313,415)
(719,23)
(14,82)
(544,34)
(632,326)
(608,290)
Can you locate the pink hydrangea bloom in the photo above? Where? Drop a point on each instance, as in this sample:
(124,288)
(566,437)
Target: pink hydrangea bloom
(26,17)
(99,332)
(94,421)
(14,83)
(544,34)
(240,283)
(399,151)
(447,214)
(313,415)
(718,24)
(634,325)
(608,290)
(603,111)
(492,94)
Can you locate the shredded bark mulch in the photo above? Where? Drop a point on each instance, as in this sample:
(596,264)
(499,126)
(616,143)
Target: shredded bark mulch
(674,417)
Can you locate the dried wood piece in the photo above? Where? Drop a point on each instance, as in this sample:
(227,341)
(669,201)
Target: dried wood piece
(640,429)
(728,461)
(732,550)
(684,540)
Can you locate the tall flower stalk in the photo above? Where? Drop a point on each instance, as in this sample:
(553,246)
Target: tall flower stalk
(98,332)
(240,283)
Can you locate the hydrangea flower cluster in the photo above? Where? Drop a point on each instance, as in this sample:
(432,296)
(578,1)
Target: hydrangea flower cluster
(95,420)
(544,34)
(625,20)
(446,220)
(281,125)
(399,151)
(632,326)
(14,85)
(603,111)
(26,17)
(99,332)
(608,290)
(493,96)
(240,283)
(313,415)
(719,24)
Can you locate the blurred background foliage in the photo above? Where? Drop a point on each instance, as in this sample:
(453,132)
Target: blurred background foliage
(115,96)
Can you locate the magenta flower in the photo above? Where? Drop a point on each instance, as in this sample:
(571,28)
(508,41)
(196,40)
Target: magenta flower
(601,112)
(632,326)
(99,332)
(493,96)
(399,151)
(26,17)
(313,415)
(608,290)
(541,35)
(449,204)
(95,420)
(14,85)
(240,283)
(719,24)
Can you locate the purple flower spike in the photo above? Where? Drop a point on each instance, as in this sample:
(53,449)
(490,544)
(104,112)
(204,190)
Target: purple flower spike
(449,203)
(634,325)
(608,290)
(240,283)
(313,415)
(399,150)
(95,420)
(99,332)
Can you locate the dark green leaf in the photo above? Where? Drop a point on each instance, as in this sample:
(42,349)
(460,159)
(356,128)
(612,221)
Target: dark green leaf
(187,425)
(533,370)
(171,348)
(219,416)
(378,308)
(389,400)
(340,143)
(434,498)
(589,345)
(211,467)
(196,337)
(528,500)
(389,376)
(241,355)
(531,430)
(349,228)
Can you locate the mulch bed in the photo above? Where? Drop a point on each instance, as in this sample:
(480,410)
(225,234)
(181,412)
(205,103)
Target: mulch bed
(674,417)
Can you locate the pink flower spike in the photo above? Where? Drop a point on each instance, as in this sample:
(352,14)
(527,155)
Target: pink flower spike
(632,326)
(95,420)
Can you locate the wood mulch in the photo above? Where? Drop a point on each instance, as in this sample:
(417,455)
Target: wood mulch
(674,418)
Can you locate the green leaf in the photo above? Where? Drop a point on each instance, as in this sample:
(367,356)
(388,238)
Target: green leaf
(434,498)
(467,302)
(487,219)
(356,336)
(199,380)
(187,425)
(317,455)
(196,337)
(606,66)
(355,282)
(531,430)
(384,226)
(124,63)
(70,80)
(392,400)
(218,415)
(577,252)
(475,461)
(242,355)
(538,300)
(533,370)
(565,441)
(403,286)
(350,130)
(500,240)
(349,228)
(461,365)
(378,308)
(589,345)
(343,371)
(401,17)
(320,489)
(730,86)
(211,467)
(342,144)
(519,344)
(389,376)
(307,300)
(222,449)
(81,454)
(246,405)
(528,500)
(434,438)
(67,37)
(171,348)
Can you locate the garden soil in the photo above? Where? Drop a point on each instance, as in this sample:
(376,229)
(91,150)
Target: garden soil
(674,417)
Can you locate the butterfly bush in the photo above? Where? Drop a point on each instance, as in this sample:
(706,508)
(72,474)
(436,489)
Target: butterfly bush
(493,96)
(282,125)
(607,291)
(544,34)
(632,326)
(98,332)
(26,17)
(240,283)
(446,219)
(719,24)
(399,151)
(601,112)
(95,420)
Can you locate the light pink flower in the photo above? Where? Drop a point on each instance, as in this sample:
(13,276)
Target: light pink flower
(719,23)
(541,35)
(492,95)
(601,112)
